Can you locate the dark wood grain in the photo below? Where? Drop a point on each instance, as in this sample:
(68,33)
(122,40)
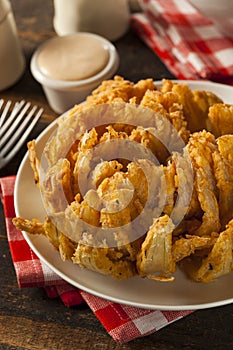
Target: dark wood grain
(28,318)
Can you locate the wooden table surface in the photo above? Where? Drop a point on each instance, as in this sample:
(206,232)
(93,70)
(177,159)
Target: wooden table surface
(28,318)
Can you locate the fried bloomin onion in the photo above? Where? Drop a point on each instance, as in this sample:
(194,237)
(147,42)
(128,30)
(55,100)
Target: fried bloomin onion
(143,193)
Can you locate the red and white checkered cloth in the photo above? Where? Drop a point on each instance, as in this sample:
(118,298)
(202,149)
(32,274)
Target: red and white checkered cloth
(188,43)
(122,322)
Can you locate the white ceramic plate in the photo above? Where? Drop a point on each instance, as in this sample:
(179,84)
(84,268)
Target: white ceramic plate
(182,294)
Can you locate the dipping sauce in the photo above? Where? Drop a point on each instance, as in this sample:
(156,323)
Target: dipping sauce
(68,58)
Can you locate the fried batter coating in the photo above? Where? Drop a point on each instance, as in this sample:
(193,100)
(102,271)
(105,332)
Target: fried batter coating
(217,263)
(109,90)
(192,112)
(200,148)
(88,140)
(88,209)
(140,89)
(220,119)
(116,193)
(101,260)
(155,259)
(169,173)
(57,238)
(34,162)
(205,99)
(157,186)
(120,90)
(147,192)
(183,179)
(81,166)
(145,136)
(33,226)
(139,181)
(196,104)
(223,172)
(111,133)
(167,105)
(104,169)
(225,147)
(185,246)
(57,189)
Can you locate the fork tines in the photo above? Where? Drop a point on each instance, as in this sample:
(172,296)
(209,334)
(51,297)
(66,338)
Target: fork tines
(15,125)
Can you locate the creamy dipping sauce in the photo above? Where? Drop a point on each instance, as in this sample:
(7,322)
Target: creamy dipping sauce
(71,58)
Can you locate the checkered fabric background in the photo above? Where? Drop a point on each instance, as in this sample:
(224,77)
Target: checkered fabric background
(188,43)
(122,322)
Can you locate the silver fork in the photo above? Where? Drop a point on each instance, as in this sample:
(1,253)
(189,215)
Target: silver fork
(15,126)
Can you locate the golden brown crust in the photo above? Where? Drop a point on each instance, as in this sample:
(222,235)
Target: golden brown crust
(100,222)
(33,159)
(155,259)
(220,119)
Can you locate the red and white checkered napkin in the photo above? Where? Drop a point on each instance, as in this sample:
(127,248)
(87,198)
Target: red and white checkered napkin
(188,43)
(122,322)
